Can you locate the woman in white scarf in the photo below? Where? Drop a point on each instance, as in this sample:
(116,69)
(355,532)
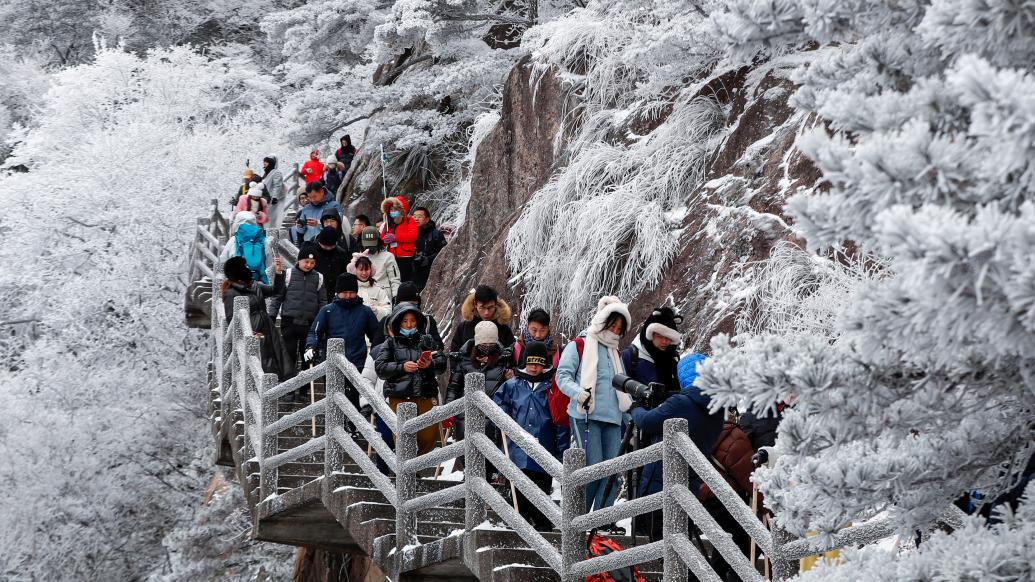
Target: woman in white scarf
(596,407)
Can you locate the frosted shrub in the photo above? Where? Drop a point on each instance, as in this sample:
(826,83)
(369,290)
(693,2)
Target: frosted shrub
(610,208)
(914,385)
(105,437)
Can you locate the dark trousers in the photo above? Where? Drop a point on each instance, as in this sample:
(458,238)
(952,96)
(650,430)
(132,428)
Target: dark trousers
(405,268)
(294,342)
(528,509)
(420,276)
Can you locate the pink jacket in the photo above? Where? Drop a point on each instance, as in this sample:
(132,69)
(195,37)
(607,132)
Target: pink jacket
(258,207)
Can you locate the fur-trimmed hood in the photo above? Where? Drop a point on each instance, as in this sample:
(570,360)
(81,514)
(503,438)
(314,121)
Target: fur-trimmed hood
(503,311)
(396,202)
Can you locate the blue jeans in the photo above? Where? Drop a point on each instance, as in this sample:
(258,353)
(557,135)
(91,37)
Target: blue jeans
(601,443)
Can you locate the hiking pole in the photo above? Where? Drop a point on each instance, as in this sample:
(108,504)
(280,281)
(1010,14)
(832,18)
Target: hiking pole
(513,490)
(384,180)
(312,397)
(445,437)
(370,446)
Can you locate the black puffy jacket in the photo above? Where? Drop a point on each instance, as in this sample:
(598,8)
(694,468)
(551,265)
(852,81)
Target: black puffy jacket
(303,296)
(399,349)
(462,363)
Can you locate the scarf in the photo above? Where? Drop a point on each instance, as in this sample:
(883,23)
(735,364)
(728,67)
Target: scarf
(664,361)
(588,369)
(526,338)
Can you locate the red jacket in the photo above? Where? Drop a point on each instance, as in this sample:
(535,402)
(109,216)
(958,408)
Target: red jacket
(317,171)
(405,232)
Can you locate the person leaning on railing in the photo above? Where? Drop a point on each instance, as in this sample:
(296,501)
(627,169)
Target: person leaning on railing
(409,362)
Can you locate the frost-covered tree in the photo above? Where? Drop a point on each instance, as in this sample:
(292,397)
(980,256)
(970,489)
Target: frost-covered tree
(104,436)
(919,387)
(418,72)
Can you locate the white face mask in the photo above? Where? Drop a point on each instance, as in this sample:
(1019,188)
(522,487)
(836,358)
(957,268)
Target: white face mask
(608,337)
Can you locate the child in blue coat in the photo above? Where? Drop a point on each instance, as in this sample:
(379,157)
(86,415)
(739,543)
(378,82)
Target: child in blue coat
(523,398)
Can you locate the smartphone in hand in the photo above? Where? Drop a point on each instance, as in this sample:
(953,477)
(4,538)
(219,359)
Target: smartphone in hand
(425,356)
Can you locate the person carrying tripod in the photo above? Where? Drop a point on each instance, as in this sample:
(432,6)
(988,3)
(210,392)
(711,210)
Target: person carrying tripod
(688,403)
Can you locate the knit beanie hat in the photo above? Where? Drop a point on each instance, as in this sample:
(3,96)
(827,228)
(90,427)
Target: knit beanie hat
(407,292)
(248,173)
(306,251)
(609,304)
(536,353)
(255,189)
(485,294)
(328,236)
(663,321)
(369,238)
(486,332)
(236,269)
(347,282)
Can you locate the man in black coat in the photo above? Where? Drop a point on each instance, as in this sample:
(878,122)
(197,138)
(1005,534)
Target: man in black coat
(330,259)
(429,243)
(483,305)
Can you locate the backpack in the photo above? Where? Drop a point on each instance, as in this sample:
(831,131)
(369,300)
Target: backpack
(252,248)
(602,546)
(731,457)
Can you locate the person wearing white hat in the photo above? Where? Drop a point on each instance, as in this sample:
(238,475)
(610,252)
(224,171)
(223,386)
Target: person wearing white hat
(584,373)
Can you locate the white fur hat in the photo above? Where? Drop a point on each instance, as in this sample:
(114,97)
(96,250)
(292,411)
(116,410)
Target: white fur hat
(607,305)
(255,189)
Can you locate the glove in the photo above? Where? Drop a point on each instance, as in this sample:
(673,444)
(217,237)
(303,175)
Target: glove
(584,397)
(448,423)
(389,239)
(274,201)
(308,355)
(625,402)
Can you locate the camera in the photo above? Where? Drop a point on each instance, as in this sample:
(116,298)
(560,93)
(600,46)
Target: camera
(640,392)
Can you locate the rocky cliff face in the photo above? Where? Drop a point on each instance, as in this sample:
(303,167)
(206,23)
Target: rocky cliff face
(733,218)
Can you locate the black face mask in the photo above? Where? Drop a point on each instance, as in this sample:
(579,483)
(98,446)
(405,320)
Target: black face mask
(487,350)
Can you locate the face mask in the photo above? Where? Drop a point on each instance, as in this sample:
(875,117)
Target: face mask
(394,214)
(407,332)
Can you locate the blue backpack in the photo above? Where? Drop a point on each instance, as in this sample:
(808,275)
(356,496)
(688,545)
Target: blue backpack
(251,246)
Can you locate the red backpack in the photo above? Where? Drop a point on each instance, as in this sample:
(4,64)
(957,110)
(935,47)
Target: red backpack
(602,546)
(556,400)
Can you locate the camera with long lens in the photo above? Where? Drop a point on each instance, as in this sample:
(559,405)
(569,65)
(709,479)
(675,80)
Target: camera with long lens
(640,392)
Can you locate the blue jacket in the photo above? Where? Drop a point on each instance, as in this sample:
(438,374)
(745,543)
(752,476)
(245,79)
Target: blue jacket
(347,319)
(688,403)
(568,377)
(525,402)
(315,211)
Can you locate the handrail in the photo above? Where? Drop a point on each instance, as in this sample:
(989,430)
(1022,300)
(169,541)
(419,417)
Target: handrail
(529,444)
(722,490)
(619,559)
(541,500)
(617,465)
(434,416)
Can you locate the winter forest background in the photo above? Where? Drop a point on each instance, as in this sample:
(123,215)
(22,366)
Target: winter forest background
(896,309)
